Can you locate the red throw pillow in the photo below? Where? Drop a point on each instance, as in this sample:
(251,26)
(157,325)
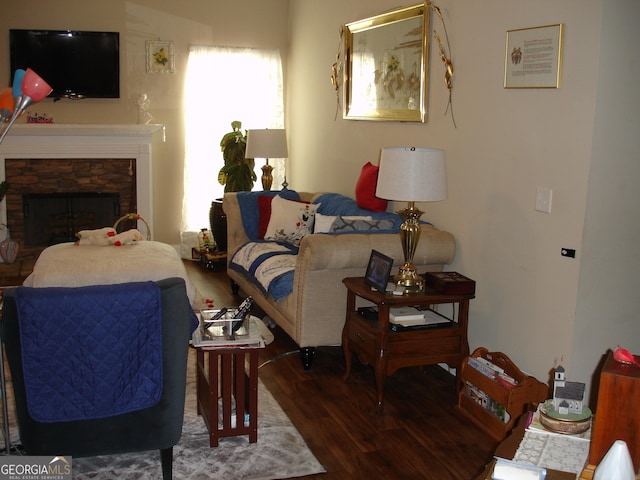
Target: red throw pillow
(366,189)
(264,206)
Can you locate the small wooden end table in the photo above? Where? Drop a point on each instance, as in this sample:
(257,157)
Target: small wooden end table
(386,351)
(222,379)
(209,258)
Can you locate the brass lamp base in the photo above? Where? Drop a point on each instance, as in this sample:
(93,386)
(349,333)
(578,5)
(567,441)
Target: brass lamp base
(407,276)
(267,177)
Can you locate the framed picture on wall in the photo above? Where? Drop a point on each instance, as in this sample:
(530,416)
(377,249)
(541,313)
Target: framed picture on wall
(386,62)
(533,57)
(160,57)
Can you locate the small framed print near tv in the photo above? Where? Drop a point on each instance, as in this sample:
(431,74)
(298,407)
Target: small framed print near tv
(378,271)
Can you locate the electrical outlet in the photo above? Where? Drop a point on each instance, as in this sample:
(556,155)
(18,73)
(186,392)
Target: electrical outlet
(543,199)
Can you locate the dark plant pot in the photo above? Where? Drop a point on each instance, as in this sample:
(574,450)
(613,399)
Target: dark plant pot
(218,221)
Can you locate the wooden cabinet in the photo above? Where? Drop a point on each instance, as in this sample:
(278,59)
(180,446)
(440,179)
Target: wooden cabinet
(515,399)
(616,416)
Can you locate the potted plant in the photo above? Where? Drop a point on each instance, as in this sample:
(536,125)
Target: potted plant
(236,175)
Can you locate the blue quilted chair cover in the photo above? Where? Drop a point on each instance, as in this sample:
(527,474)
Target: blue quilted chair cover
(90,352)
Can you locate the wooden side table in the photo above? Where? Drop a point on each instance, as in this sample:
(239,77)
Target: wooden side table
(209,258)
(386,351)
(222,379)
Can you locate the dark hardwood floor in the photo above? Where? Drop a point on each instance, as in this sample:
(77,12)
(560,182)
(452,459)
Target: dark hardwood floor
(418,436)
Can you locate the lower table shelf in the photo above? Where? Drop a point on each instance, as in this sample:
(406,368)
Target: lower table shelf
(227,391)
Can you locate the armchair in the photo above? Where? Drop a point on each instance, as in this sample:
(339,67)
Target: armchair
(85,410)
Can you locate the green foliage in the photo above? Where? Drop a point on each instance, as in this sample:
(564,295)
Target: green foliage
(237,175)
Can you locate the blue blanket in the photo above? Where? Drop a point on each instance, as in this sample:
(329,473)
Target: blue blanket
(267,264)
(90,352)
(337,204)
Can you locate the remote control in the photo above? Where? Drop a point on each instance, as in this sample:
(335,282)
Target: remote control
(240,313)
(217,316)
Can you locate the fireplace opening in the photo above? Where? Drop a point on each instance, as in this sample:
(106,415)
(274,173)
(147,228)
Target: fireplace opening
(51,218)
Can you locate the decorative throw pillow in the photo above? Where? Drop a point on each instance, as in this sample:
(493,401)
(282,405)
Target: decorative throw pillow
(344,224)
(323,223)
(264,205)
(290,220)
(366,189)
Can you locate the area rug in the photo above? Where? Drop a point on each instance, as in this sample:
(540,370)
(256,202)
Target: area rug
(280,451)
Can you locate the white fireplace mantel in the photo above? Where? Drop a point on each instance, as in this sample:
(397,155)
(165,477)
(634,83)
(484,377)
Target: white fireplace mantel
(46,141)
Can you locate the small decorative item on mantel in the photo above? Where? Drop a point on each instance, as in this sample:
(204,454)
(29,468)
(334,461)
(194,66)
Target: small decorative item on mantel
(39,118)
(144,117)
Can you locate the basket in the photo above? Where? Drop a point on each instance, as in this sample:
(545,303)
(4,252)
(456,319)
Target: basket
(133,217)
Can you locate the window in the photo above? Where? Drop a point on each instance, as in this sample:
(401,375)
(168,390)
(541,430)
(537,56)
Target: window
(224,84)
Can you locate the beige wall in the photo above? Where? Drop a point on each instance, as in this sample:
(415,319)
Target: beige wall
(580,140)
(532,303)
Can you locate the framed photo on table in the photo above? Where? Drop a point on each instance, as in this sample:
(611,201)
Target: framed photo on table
(533,57)
(386,62)
(378,271)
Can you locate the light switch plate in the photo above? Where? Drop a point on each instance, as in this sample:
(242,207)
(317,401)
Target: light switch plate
(544,196)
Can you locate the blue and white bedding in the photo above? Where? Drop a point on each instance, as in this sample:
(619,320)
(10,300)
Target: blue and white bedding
(267,264)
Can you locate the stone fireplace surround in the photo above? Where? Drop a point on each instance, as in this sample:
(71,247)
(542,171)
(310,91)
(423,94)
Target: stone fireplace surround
(51,141)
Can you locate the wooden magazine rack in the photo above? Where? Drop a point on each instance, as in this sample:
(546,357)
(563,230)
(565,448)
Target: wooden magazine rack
(514,399)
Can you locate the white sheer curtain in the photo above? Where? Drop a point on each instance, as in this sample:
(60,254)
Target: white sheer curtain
(224,84)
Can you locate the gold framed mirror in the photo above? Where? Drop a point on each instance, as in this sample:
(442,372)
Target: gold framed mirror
(386,66)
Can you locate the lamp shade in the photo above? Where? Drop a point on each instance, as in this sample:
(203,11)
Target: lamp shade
(267,143)
(411,174)
(17,82)
(34,86)
(6,99)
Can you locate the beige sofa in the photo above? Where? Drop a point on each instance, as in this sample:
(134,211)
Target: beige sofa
(313,314)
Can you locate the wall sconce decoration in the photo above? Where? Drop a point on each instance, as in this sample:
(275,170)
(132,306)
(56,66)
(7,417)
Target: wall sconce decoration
(448,65)
(336,72)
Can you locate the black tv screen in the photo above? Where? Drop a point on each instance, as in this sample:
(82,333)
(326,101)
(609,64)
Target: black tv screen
(76,64)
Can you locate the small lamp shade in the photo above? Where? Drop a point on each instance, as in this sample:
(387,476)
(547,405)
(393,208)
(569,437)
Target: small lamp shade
(412,174)
(6,100)
(34,87)
(17,82)
(267,143)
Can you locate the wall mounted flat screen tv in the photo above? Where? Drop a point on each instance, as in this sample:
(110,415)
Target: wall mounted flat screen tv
(77,64)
